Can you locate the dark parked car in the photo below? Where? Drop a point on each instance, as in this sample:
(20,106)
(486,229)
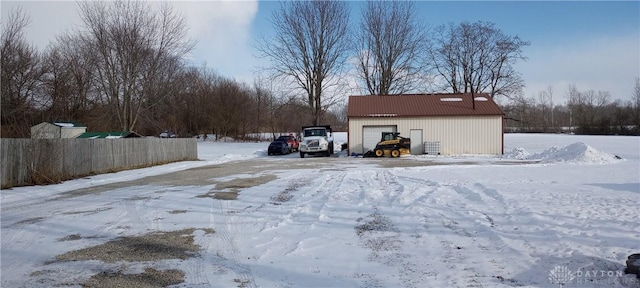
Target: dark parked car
(291,140)
(278,147)
(168,134)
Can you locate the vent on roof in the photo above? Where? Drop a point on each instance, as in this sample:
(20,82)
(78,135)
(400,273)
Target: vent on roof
(451,99)
(481,99)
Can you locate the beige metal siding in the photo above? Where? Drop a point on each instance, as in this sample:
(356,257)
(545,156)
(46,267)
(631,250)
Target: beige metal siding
(456,134)
(45,130)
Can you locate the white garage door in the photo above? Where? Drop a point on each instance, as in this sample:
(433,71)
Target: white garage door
(371,135)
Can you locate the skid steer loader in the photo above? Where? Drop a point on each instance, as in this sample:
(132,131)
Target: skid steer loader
(392,144)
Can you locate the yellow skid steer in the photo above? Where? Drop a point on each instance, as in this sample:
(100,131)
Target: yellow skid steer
(392,144)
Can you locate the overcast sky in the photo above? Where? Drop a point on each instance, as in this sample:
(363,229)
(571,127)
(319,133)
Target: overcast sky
(594,45)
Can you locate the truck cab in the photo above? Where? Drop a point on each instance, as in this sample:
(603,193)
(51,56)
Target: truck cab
(316,140)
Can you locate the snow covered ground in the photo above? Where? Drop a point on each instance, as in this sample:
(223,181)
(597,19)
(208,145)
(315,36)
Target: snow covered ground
(554,210)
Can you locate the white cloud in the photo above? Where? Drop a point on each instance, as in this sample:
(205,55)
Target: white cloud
(222,29)
(223,32)
(48,19)
(601,63)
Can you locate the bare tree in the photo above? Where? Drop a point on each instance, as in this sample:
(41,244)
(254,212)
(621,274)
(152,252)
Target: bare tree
(137,52)
(389,43)
(310,48)
(277,111)
(636,105)
(586,112)
(266,105)
(20,73)
(477,58)
(522,112)
(546,104)
(549,94)
(190,110)
(67,82)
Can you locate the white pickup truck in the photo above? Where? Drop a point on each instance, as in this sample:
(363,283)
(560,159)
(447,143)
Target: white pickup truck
(316,140)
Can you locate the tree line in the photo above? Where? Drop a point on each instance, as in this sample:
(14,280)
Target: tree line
(126,70)
(585,112)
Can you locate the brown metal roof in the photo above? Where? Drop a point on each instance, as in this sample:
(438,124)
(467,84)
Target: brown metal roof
(408,105)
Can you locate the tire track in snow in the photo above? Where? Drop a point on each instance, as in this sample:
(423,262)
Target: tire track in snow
(311,206)
(227,229)
(314,209)
(142,210)
(390,244)
(468,212)
(474,213)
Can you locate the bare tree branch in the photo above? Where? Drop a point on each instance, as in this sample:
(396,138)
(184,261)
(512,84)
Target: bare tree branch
(138,52)
(20,73)
(310,47)
(389,43)
(477,58)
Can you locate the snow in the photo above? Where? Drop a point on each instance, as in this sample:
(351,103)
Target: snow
(518,153)
(451,99)
(63,124)
(579,153)
(555,209)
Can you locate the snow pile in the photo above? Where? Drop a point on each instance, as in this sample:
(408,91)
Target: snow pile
(518,153)
(574,153)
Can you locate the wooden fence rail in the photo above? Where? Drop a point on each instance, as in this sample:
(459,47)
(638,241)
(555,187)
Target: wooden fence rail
(44,161)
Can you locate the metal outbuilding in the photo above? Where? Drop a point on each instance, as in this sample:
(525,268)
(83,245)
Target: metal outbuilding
(57,129)
(436,123)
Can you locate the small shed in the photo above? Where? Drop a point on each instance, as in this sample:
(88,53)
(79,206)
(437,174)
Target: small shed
(57,129)
(109,135)
(436,123)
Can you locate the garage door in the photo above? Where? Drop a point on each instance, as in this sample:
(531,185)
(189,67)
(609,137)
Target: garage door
(371,136)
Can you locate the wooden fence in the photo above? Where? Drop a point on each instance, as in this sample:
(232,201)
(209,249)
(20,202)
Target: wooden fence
(45,161)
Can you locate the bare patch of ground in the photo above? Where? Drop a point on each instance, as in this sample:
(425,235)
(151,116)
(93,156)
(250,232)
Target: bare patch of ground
(229,190)
(149,247)
(242,283)
(87,212)
(225,195)
(285,195)
(148,279)
(146,248)
(71,237)
(375,222)
(177,211)
(31,220)
(242,183)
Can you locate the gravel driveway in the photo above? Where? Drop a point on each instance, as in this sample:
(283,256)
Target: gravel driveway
(132,260)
